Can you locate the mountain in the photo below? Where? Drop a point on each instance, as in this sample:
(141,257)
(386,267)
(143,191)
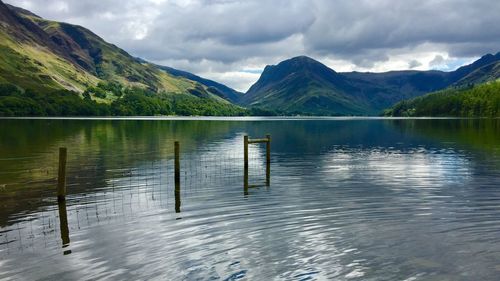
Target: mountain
(216,88)
(487,68)
(303,85)
(481,100)
(484,69)
(46,56)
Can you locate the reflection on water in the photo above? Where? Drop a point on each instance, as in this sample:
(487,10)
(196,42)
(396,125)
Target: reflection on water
(63,223)
(350,199)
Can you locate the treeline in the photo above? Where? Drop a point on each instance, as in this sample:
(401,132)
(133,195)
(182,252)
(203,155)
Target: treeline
(474,101)
(114,100)
(15,101)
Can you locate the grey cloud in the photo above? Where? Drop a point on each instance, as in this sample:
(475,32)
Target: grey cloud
(246,22)
(364,26)
(437,61)
(414,64)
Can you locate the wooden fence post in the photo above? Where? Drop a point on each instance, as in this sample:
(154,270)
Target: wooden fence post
(177,176)
(245,169)
(245,152)
(268,160)
(61,176)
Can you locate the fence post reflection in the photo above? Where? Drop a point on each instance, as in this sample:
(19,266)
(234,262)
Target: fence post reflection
(245,168)
(177,164)
(268,160)
(63,224)
(61,176)
(245,183)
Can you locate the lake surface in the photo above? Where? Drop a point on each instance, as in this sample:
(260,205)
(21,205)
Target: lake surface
(349,199)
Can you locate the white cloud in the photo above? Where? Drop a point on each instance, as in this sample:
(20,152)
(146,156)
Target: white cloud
(240,80)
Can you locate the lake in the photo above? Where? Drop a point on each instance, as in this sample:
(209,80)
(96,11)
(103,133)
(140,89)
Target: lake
(348,199)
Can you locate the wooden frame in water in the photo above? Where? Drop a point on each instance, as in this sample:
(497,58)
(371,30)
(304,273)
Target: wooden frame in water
(246,142)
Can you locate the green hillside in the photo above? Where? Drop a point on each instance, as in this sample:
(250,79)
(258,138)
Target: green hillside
(29,58)
(216,88)
(303,85)
(59,62)
(476,101)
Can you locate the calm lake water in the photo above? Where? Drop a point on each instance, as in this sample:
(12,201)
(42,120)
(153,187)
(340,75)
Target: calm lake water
(349,199)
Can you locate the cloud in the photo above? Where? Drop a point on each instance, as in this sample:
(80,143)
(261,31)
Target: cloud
(437,61)
(222,38)
(414,64)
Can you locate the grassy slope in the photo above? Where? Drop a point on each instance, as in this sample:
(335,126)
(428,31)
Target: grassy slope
(490,72)
(113,64)
(479,101)
(307,96)
(46,56)
(108,62)
(33,66)
(214,87)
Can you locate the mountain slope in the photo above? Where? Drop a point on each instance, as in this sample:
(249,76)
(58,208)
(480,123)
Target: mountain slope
(478,101)
(90,53)
(29,58)
(479,71)
(303,85)
(45,55)
(214,87)
(485,69)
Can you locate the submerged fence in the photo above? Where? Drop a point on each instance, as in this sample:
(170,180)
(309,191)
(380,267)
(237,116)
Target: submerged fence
(76,191)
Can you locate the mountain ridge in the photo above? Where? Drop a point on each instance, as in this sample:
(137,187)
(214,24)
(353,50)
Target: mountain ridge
(216,87)
(304,85)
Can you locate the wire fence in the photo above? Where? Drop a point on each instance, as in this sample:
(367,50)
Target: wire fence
(104,188)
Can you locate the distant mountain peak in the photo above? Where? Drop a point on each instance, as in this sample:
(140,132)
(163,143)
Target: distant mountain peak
(302,62)
(297,65)
(304,59)
(301,84)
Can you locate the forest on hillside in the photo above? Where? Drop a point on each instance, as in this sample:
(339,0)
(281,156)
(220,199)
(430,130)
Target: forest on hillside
(473,101)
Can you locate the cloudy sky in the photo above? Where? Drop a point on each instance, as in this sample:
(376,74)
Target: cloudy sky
(231,41)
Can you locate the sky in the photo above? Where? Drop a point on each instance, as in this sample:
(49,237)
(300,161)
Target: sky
(231,41)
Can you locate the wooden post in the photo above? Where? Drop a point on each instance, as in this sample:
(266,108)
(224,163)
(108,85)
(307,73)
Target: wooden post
(177,176)
(245,169)
(268,160)
(245,151)
(61,176)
